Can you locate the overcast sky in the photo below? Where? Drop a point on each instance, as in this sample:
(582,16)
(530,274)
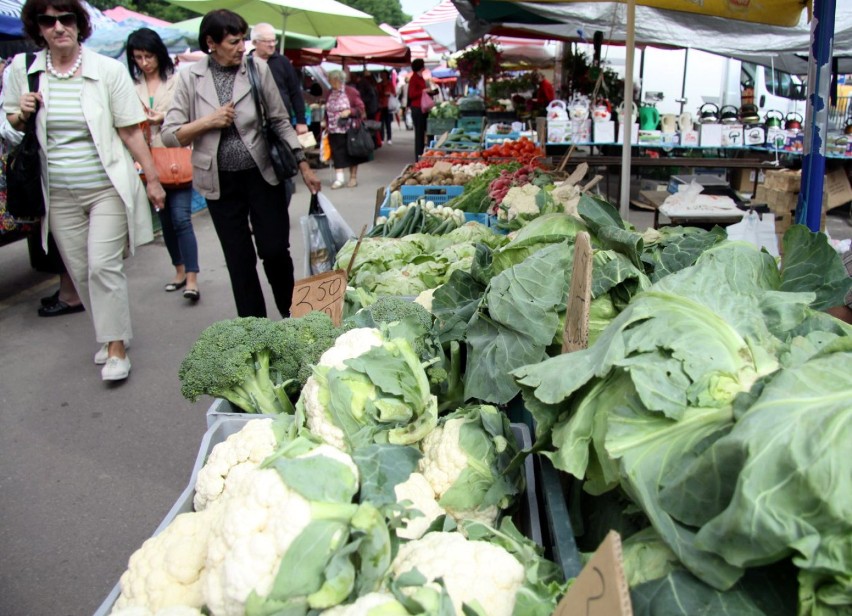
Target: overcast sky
(417,7)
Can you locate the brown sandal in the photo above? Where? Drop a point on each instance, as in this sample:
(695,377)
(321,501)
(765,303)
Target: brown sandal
(352,183)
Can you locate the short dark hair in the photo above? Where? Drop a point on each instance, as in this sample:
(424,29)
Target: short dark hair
(145,39)
(418,65)
(219,23)
(33,8)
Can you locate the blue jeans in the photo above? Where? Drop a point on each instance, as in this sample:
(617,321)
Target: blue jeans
(176,219)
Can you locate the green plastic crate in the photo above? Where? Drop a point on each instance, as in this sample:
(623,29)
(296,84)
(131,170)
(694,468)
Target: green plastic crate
(471,123)
(439,126)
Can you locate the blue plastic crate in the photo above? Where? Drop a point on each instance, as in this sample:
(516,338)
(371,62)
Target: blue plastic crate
(438,195)
(468,217)
(470,123)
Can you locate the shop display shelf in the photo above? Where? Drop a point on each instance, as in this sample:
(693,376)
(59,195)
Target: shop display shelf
(439,126)
(526,518)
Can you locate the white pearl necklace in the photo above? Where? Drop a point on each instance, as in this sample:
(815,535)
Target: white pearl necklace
(67,74)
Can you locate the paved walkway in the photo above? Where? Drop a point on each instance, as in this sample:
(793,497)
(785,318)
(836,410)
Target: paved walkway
(88,470)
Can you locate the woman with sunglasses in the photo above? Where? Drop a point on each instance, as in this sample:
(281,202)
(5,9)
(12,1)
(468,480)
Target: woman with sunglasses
(153,73)
(87,119)
(214,111)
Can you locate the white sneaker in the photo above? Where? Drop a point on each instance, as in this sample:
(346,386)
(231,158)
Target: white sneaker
(103,353)
(390,142)
(116,369)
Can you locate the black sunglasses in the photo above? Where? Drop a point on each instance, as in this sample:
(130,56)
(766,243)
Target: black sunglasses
(49,21)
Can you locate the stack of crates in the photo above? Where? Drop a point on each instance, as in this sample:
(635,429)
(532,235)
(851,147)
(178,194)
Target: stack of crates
(472,123)
(439,126)
(780,191)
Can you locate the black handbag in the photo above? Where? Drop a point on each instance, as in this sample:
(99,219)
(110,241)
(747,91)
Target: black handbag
(359,142)
(24,197)
(281,154)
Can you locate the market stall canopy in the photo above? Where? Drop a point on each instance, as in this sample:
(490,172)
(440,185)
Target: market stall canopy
(293,40)
(314,18)
(121,14)
(431,28)
(376,49)
(785,47)
(111,41)
(10,20)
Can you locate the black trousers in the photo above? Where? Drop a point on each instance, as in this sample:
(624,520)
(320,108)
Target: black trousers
(419,119)
(247,197)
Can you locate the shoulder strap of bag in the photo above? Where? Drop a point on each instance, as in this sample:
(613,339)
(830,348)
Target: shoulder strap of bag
(32,82)
(256,92)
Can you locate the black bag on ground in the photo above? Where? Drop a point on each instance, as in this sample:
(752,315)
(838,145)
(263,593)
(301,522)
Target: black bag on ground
(283,160)
(24,198)
(359,142)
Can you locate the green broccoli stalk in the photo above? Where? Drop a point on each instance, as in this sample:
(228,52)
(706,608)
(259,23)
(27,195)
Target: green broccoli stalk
(256,364)
(231,360)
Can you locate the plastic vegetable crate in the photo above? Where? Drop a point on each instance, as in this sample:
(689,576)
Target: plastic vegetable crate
(223,408)
(439,126)
(526,517)
(473,123)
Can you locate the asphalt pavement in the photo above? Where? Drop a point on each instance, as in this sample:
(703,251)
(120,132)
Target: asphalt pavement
(88,469)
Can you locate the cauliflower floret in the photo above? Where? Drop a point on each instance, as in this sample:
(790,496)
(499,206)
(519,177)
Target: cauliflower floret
(166,570)
(256,525)
(425,299)
(349,345)
(568,195)
(176,610)
(364,606)
(230,459)
(471,570)
(417,490)
(519,200)
(442,463)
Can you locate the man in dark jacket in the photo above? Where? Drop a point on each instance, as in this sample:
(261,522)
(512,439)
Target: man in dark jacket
(265,48)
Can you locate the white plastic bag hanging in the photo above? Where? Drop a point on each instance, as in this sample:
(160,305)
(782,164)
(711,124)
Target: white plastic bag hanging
(756,230)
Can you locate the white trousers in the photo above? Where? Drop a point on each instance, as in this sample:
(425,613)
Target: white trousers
(90,229)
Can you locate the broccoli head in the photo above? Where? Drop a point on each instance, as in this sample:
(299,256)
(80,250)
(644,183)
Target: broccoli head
(231,359)
(305,340)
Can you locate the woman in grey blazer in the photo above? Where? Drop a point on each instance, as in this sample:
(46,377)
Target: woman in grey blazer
(213,110)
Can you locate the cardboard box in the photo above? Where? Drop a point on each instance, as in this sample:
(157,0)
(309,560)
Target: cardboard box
(558,131)
(634,134)
(837,190)
(776,138)
(777,200)
(690,138)
(795,142)
(671,139)
(732,136)
(786,180)
(742,180)
(581,131)
(784,219)
(754,135)
(650,137)
(710,135)
(603,132)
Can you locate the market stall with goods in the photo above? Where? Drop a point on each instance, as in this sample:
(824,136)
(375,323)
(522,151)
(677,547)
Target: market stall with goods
(439,451)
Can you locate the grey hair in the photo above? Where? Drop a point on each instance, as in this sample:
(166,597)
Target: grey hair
(261,26)
(337,75)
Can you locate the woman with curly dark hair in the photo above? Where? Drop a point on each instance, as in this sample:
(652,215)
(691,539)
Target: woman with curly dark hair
(86,117)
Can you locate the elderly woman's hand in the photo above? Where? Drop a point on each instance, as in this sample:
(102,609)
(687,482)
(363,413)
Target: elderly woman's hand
(311,180)
(223,117)
(156,194)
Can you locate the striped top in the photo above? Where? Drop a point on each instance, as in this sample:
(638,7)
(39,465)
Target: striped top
(72,158)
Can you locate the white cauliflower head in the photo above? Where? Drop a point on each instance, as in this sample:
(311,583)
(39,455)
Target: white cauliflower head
(166,570)
(425,299)
(348,345)
(176,610)
(519,200)
(472,570)
(374,602)
(230,459)
(258,522)
(567,195)
(443,462)
(417,490)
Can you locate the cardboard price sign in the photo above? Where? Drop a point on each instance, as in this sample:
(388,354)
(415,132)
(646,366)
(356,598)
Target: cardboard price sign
(601,588)
(323,292)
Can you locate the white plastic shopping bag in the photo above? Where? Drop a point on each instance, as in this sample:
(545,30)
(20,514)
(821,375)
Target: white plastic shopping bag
(756,230)
(325,232)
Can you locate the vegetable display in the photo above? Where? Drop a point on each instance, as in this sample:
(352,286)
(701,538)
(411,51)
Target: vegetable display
(420,216)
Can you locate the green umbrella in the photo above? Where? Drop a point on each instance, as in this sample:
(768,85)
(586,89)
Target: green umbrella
(294,40)
(310,17)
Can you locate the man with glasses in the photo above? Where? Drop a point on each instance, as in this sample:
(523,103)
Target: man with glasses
(266,48)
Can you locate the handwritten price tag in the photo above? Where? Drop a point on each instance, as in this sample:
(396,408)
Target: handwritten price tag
(601,588)
(323,292)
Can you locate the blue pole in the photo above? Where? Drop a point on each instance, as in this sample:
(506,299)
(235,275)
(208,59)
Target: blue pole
(809,208)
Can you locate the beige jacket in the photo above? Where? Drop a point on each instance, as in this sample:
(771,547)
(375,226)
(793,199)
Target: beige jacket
(108,102)
(195,97)
(162,102)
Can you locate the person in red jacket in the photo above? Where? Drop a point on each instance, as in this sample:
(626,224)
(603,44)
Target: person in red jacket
(416,87)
